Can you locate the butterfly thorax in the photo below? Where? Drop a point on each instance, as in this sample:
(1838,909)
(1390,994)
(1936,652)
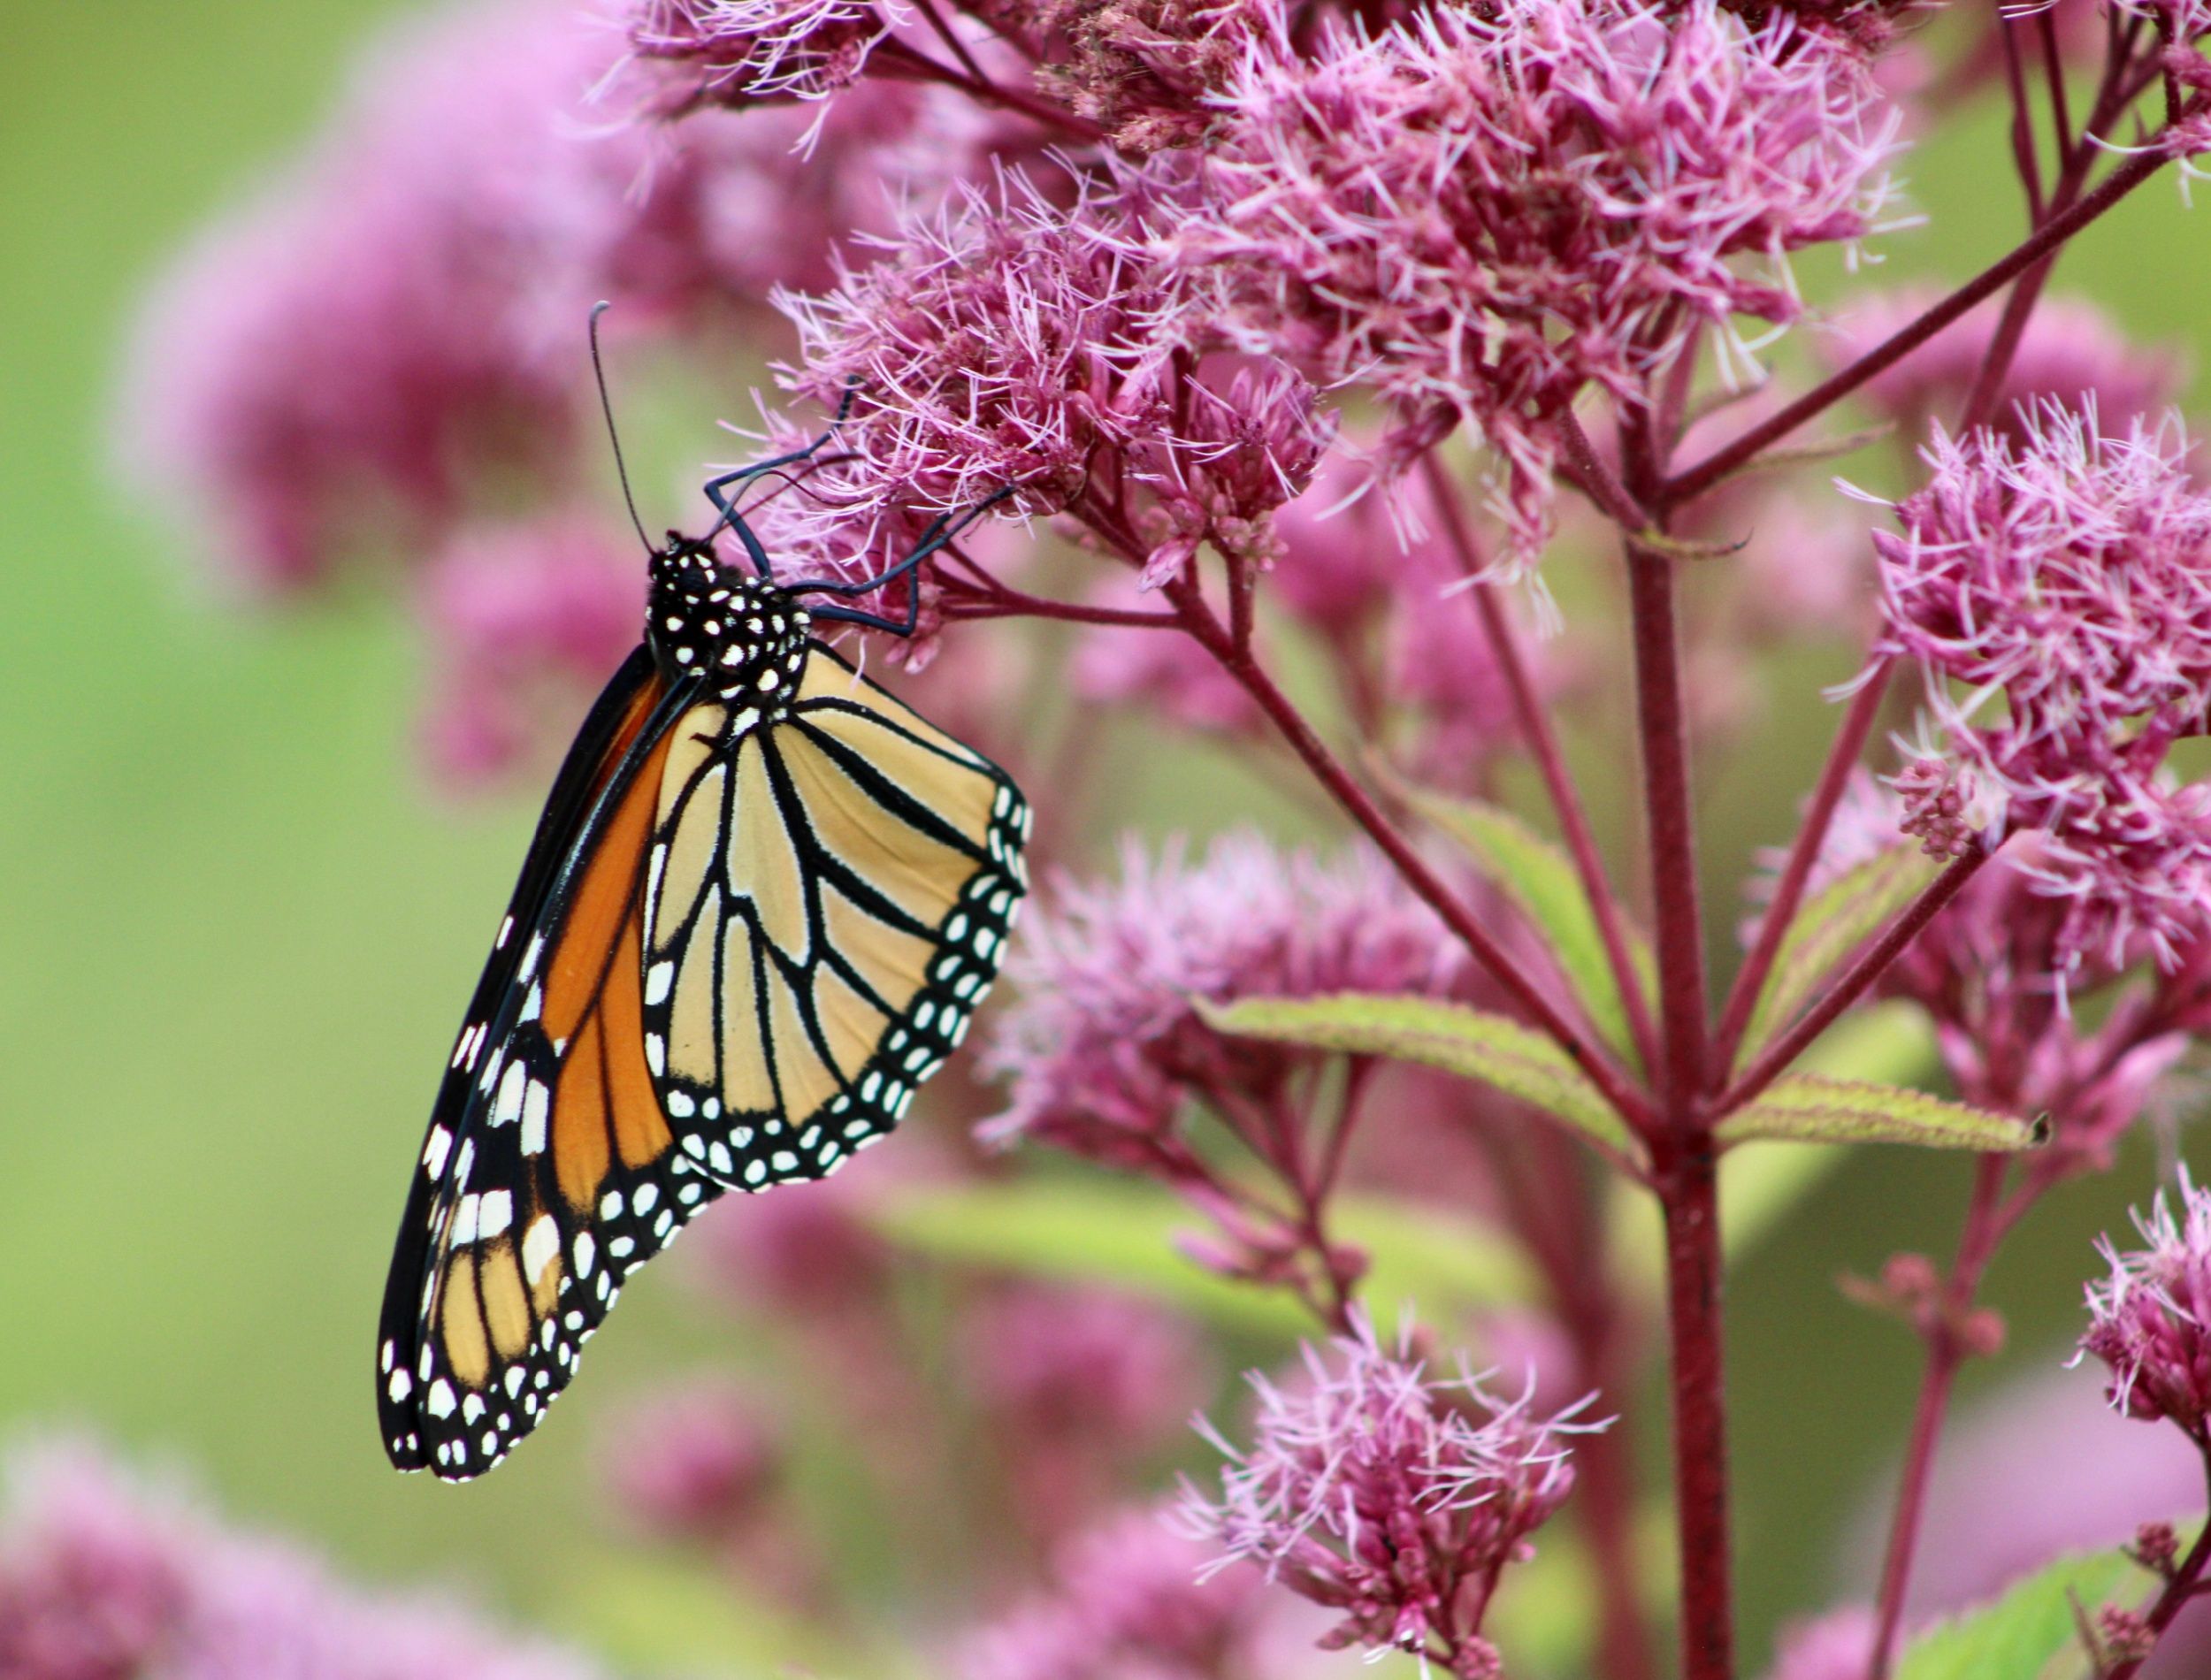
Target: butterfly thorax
(746,637)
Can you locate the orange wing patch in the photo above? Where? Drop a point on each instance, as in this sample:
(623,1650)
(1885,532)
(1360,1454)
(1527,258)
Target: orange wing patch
(563,1176)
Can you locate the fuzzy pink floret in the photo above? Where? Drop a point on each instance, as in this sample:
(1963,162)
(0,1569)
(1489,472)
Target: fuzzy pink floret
(2150,1319)
(1392,1496)
(1104,1043)
(1480,213)
(2057,590)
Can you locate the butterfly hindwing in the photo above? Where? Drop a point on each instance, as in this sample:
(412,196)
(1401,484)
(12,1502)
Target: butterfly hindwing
(829,893)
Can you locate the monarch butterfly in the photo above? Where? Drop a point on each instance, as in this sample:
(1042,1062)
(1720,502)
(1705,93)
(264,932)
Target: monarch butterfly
(762,905)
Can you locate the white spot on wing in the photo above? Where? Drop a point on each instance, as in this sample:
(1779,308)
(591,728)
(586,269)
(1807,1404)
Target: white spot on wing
(507,1106)
(537,1104)
(540,1245)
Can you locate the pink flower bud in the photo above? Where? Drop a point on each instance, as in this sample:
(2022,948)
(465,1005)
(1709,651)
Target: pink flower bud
(2150,1319)
(1373,1488)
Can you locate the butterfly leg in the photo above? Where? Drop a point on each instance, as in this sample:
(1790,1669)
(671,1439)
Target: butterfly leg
(719,489)
(942,530)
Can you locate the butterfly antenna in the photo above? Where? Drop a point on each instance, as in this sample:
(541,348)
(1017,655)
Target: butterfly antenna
(606,407)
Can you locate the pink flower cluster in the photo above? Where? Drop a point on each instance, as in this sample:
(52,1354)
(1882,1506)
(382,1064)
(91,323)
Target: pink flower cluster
(1091,1366)
(735,52)
(1127,1601)
(2057,592)
(1104,1044)
(521,614)
(695,1463)
(2150,1319)
(379,359)
(1992,974)
(1393,1498)
(1011,340)
(99,1579)
(1482,213)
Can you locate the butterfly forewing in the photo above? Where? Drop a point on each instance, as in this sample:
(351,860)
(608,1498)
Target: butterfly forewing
(544,1176)
(831,890)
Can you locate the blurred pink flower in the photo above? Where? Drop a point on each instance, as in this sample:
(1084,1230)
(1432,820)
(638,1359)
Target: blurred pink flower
(1103,1045)
(1078,1387)
(1164,672)
(1479,214)
(1106,1371)
(2150,1321)
(1354,541)
(100,1579)
(1130,1600)
(807,1253)
(1393,1496)
(2068,575)
(1807,568)
(695,1463)
(1439,663)
(526,622)
(2072,355)
(351,339)
(347,365)
(697,225)
(1834,1646)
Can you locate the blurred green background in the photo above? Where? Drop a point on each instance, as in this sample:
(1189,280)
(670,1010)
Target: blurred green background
(235,925)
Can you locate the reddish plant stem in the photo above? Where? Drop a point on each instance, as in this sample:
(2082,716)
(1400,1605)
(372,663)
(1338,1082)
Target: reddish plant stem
(1597,481)
(1550,763)
(2022,154)
(2185,1583)
(920,66)
(1012,604)
(947,34)
(1856,980)
(1945,1353)
(1688,1194)
(1695,481)
(1661,722)
(1684,1167)
(1586,1055)
(1842,758)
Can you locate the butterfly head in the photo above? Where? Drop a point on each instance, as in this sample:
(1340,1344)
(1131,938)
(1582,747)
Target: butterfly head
(742,635)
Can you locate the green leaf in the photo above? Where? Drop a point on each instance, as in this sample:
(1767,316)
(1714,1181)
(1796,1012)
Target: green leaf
(1830,926)
(2021,1635)
(1810,1108)
(1103,1231)
(1471,1042)
(1543,883)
